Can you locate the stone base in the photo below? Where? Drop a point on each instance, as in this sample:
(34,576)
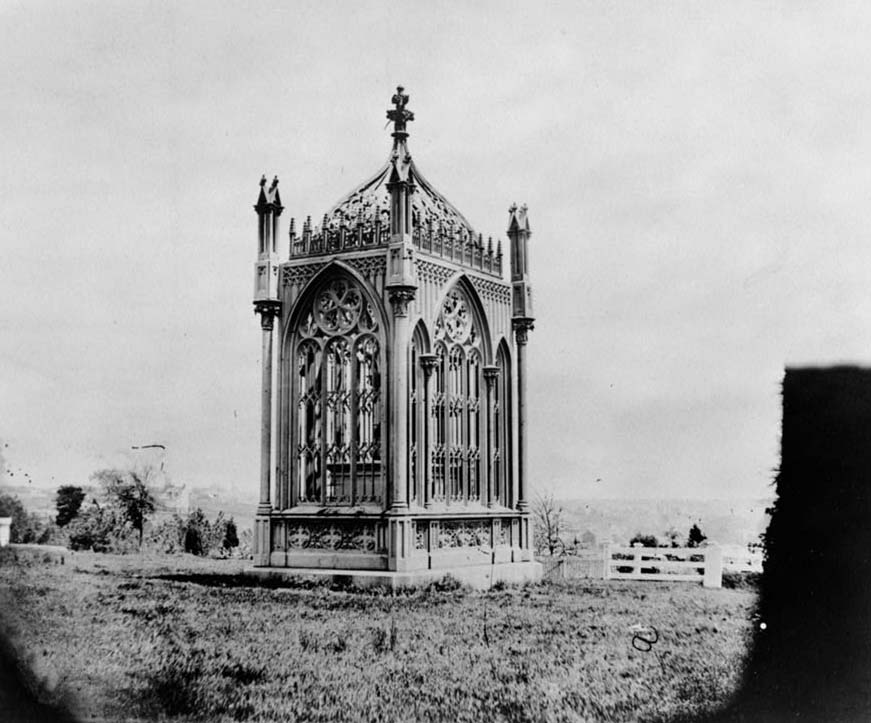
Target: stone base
(479,577)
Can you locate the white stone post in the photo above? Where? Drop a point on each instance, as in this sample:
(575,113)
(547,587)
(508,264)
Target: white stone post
(606,561)
(713,566)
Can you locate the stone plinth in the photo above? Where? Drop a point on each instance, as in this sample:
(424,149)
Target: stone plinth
(479,577)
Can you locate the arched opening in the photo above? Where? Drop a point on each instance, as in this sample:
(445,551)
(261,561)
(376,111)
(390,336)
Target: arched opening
(417,421)
(337,353)
(458,432)
(501,453)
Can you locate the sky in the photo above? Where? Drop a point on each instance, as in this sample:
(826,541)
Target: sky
(698,176)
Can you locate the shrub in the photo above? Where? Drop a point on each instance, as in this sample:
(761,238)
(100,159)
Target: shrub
(94,529)
(25,527)
(696,536)
(167,536)
(231,538)
(645,540)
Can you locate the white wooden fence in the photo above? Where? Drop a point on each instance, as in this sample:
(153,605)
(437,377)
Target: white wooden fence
(614,562)
(692,564)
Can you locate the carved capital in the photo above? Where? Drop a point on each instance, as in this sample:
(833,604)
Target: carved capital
(522,326)
(491,374)
(268,310)
(400,298)
(428,362)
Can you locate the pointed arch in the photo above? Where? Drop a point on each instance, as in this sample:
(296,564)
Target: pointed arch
(457,462)
(335,343)
(332,270)
(417,413)
(461,283)
(420,336)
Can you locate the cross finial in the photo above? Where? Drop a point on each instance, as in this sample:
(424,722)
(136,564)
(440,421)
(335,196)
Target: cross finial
(399,115)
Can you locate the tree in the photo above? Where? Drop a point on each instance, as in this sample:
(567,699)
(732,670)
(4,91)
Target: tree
(548,524)
(696,537)
(231,537)
(92,529)
(25,527)
(130,494)
(645,540)
(197,533)
(68,501)
(672,535)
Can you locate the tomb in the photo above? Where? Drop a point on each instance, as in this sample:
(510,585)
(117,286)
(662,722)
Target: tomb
(393,441)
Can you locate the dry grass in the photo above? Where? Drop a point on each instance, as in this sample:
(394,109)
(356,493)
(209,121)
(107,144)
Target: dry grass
(111,637)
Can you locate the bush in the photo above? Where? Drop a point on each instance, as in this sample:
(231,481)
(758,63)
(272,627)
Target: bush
(696,537)
(645,540)
(94,529)
(25,527)
(231,537)
(167,537)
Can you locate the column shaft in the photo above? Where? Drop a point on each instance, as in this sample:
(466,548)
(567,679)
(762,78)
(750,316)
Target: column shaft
(428,363)
(521,329)
(491,374)
(399,407)
(266,415)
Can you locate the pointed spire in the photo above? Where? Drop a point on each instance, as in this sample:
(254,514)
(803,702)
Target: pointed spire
(517,219)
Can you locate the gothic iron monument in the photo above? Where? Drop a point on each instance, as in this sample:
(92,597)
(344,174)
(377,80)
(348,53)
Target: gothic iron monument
(394,434)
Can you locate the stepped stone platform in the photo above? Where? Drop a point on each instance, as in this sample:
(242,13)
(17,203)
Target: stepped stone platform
(478,577)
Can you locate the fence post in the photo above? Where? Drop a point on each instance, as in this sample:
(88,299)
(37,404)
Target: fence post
(713,566)
(636,557)
(606,561)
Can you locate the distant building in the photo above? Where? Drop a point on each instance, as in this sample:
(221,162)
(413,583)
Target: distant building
(399,397)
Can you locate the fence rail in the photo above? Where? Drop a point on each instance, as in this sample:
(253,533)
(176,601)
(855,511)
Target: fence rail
(614,562)
(692,564)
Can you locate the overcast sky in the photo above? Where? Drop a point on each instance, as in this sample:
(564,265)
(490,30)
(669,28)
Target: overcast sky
(698,177)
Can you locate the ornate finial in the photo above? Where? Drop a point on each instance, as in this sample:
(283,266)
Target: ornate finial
(512,208)
(263,180)
(274,182)
(399,115)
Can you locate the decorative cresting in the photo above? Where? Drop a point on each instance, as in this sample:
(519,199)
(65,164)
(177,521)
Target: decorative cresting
(362,219)
(338,358)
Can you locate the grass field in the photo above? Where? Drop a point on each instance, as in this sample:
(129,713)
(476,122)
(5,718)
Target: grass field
(181,638)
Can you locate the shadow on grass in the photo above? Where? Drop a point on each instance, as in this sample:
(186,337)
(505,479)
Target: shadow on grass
(23,694)
(447,585)
(211,579)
